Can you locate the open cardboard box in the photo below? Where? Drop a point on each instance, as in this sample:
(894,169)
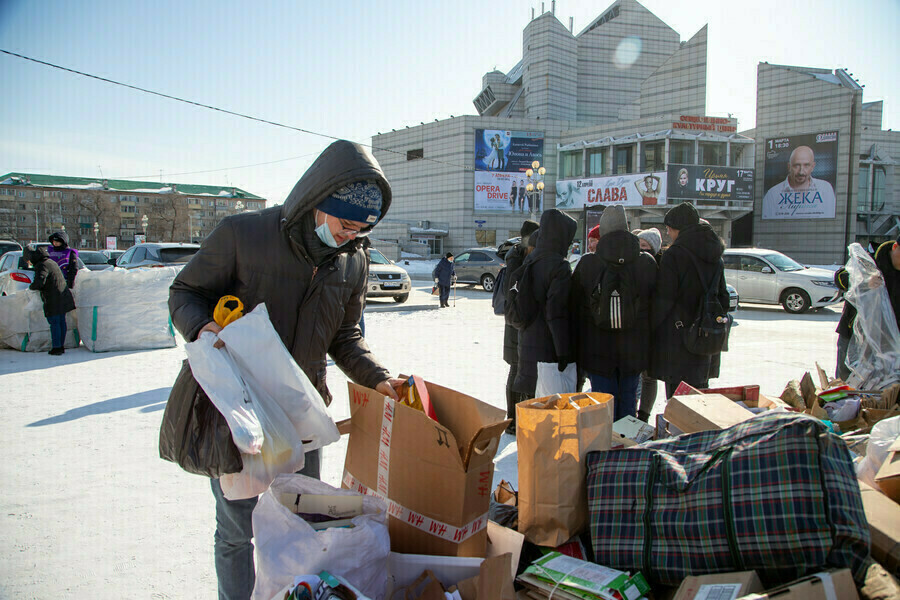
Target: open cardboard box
(883,516)
(888,476)
(719,585)
(435,475)
(827,585)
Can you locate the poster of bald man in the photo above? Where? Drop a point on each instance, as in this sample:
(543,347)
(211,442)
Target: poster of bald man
(800,175)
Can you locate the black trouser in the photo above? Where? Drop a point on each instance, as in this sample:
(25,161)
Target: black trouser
(445,294)
(513,397)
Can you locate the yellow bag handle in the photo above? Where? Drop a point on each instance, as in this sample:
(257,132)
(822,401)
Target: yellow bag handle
(223,315)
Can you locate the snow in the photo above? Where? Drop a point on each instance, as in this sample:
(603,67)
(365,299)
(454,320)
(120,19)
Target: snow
(90,511)
(418,269)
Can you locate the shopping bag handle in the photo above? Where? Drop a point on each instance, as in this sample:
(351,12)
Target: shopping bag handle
(223,315)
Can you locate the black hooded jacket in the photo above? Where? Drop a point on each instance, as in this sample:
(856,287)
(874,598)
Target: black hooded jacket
(602,351)
(891,276)
(549,338)
(676,300)
(50,282)
(314,294)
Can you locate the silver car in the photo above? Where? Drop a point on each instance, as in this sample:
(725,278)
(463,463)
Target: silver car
(770,277)
(155,254)
(478,266)
(16,275)
(386,279)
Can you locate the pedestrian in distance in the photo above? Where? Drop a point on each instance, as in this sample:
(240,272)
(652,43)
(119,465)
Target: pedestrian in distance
(514,258)
(611,292)
(55,294)
(303,259)
(692,262)
(547,341)
(62,255)
(444,276)
(651,243)
(592,238)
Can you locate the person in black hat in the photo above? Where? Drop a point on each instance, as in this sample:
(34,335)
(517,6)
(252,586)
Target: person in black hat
(444,275)
(679,288)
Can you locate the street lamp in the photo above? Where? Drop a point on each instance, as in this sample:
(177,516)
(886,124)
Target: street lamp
(535,187)
(144,221)
(96,232)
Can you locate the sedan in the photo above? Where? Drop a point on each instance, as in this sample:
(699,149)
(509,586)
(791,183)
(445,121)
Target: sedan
(16,275)
(95,261)
(478,266)
(162,254)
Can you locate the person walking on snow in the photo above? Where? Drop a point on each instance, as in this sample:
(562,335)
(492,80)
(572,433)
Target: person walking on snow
(56,295)
(303,259)
(444,275)
(62,255)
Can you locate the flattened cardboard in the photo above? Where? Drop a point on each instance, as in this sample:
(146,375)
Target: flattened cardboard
(442,470)
(888,476)
(814,587)
(747,582)
(704,412)
(883,516)
(632,428)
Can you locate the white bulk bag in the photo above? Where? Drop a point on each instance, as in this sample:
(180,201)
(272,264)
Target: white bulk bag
(24,327)
(122,309)
(286,545)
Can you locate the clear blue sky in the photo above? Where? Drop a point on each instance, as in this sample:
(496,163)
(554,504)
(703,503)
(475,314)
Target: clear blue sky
(347,69)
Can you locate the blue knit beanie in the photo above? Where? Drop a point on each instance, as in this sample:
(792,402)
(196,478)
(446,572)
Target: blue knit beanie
(359,201)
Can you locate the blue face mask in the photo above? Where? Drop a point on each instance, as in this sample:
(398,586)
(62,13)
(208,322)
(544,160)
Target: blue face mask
(324,233)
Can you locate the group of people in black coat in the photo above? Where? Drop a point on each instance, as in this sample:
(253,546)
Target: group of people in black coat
(664,289)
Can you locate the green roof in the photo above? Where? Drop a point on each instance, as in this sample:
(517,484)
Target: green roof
(121,185)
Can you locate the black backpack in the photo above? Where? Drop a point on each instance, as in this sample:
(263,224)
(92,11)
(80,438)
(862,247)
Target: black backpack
(498,296)
(708,333)
(521,307)
(614,298)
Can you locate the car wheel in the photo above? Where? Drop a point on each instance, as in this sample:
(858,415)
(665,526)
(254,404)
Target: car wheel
(795,300)
(487,282)
(401,298)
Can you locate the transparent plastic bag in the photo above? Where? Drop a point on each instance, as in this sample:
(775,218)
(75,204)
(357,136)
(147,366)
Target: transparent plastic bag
(880,439)
(874,353)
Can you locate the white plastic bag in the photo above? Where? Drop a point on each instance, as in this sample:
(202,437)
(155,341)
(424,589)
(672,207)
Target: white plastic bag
(874,352)
(880,439)
(287,546)
(274,412)
(24,327)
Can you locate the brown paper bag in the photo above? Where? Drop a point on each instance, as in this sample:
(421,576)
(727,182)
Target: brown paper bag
(554,434)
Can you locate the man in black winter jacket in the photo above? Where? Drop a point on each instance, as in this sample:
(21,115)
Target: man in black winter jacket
(613,358)
(51,283)
(679,288)
(514,258)
(303,260)
(547,342)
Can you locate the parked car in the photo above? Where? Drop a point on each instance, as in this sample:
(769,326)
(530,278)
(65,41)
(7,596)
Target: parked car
(112,255)
(16,275)
(386,279)
(157,254)
(733,297)
(478,266)
(95,261)
(770,277)
(9,246)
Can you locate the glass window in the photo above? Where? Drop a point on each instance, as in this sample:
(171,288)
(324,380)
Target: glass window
(377,257)
(878,189)
(712,153)
(864,201)
(462,257)
(139,255)
(623,160)
(479,256)
(571,164)
(486,237)
(597,162)
(681,152)
(754,265)
(653,158)
(737,155)
(126,258)
(783,263)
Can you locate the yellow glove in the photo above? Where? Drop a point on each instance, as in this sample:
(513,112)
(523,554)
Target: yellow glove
(223,315)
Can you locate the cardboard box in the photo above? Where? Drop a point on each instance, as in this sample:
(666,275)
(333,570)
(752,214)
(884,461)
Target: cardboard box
(827,585)
(436,476)
(883,516)
(633,429)
(888,476)
(719,585)
(704,412)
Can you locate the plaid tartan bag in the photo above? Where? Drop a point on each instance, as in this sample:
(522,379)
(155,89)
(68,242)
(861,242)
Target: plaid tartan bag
(777,494)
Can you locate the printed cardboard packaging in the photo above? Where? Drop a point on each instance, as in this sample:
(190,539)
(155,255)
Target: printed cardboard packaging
(883,516)
(436,476)
(888,476)
(837,584)
(719,585)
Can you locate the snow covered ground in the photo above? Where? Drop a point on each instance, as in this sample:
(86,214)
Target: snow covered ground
(88,510)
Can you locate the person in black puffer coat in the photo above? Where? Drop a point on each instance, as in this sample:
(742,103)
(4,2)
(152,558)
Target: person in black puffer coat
(514,258)
(51,283)
(546,344)
(613,359)
(677,297)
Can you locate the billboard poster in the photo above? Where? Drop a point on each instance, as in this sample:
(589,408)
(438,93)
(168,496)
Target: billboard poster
(700,182)
(507,151)
(800,174)
(638,189)
(110,242)
(503,192)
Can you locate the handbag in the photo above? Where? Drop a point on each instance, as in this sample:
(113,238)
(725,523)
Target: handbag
(194,434)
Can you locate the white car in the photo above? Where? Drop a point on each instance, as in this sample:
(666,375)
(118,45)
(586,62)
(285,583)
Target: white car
(769,277)
(386,280)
